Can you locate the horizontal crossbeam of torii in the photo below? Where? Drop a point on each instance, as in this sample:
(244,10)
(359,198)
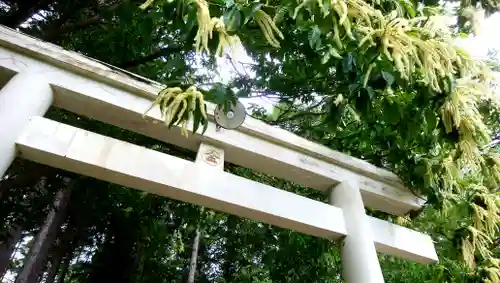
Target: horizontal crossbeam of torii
(36,75)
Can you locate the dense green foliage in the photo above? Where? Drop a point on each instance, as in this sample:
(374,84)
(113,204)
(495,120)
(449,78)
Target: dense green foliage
(410,102)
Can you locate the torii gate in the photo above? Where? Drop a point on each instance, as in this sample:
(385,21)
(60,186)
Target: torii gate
(36,75)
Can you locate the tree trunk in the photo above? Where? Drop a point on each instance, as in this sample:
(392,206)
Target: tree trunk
(151,57)
(116,256)
(65,248)
(229,264)
(194,256)
(54,33)
(55,264)
(67,262)
(7,248)
(34,262)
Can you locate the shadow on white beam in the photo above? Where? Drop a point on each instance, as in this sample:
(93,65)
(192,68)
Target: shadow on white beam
(66,147)
(312,165)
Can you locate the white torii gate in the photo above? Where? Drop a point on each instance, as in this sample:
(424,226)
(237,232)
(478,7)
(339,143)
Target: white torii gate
(36,75)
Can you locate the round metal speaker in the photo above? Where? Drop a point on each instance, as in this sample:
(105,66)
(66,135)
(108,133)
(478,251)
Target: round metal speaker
(233,118)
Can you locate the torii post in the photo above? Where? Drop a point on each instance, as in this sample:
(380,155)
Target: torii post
(36,75)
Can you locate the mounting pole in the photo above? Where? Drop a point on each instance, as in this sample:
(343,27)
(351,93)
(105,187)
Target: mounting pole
(359,258)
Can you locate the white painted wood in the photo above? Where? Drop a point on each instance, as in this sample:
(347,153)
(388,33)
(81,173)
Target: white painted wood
(357,251)
(402,242)
(90,154)
(25,95)
(86,153)
(90,88)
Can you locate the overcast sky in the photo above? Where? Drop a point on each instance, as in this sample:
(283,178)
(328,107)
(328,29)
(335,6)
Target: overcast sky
(488,38)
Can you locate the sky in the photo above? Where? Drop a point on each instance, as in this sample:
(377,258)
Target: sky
(488,37)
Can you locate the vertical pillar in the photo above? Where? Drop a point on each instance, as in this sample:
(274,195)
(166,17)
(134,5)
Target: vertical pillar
(27,94)
(359,258)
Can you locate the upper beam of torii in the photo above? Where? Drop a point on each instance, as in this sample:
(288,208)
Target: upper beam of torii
(38,74)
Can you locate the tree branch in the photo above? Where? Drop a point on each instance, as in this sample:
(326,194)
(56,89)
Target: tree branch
(159,53)
(298,115)
(67,28)
(306,112)
(61,26)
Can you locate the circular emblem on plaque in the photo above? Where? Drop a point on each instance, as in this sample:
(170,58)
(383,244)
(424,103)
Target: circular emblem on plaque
(211,157)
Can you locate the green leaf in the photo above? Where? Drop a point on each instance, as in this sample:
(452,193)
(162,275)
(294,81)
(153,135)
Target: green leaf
(227,3)
(314,37)
(333,51)
(204,122)
(431,120)
(280,13)
(174,119)
(228,15)
(197,119)
(363,104)
(412,126)
(327,8)
(249,11)
(370,92)
(391,113)
(217,94)
(147,26)
(353,87)
(335,115)
(325,58)
(167,10)
(173,63)
(410,8)
(347,63)
(388,77)
(189,24)
(221,95)
(235,22)
(256,6)
(126,16)
(232,19)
